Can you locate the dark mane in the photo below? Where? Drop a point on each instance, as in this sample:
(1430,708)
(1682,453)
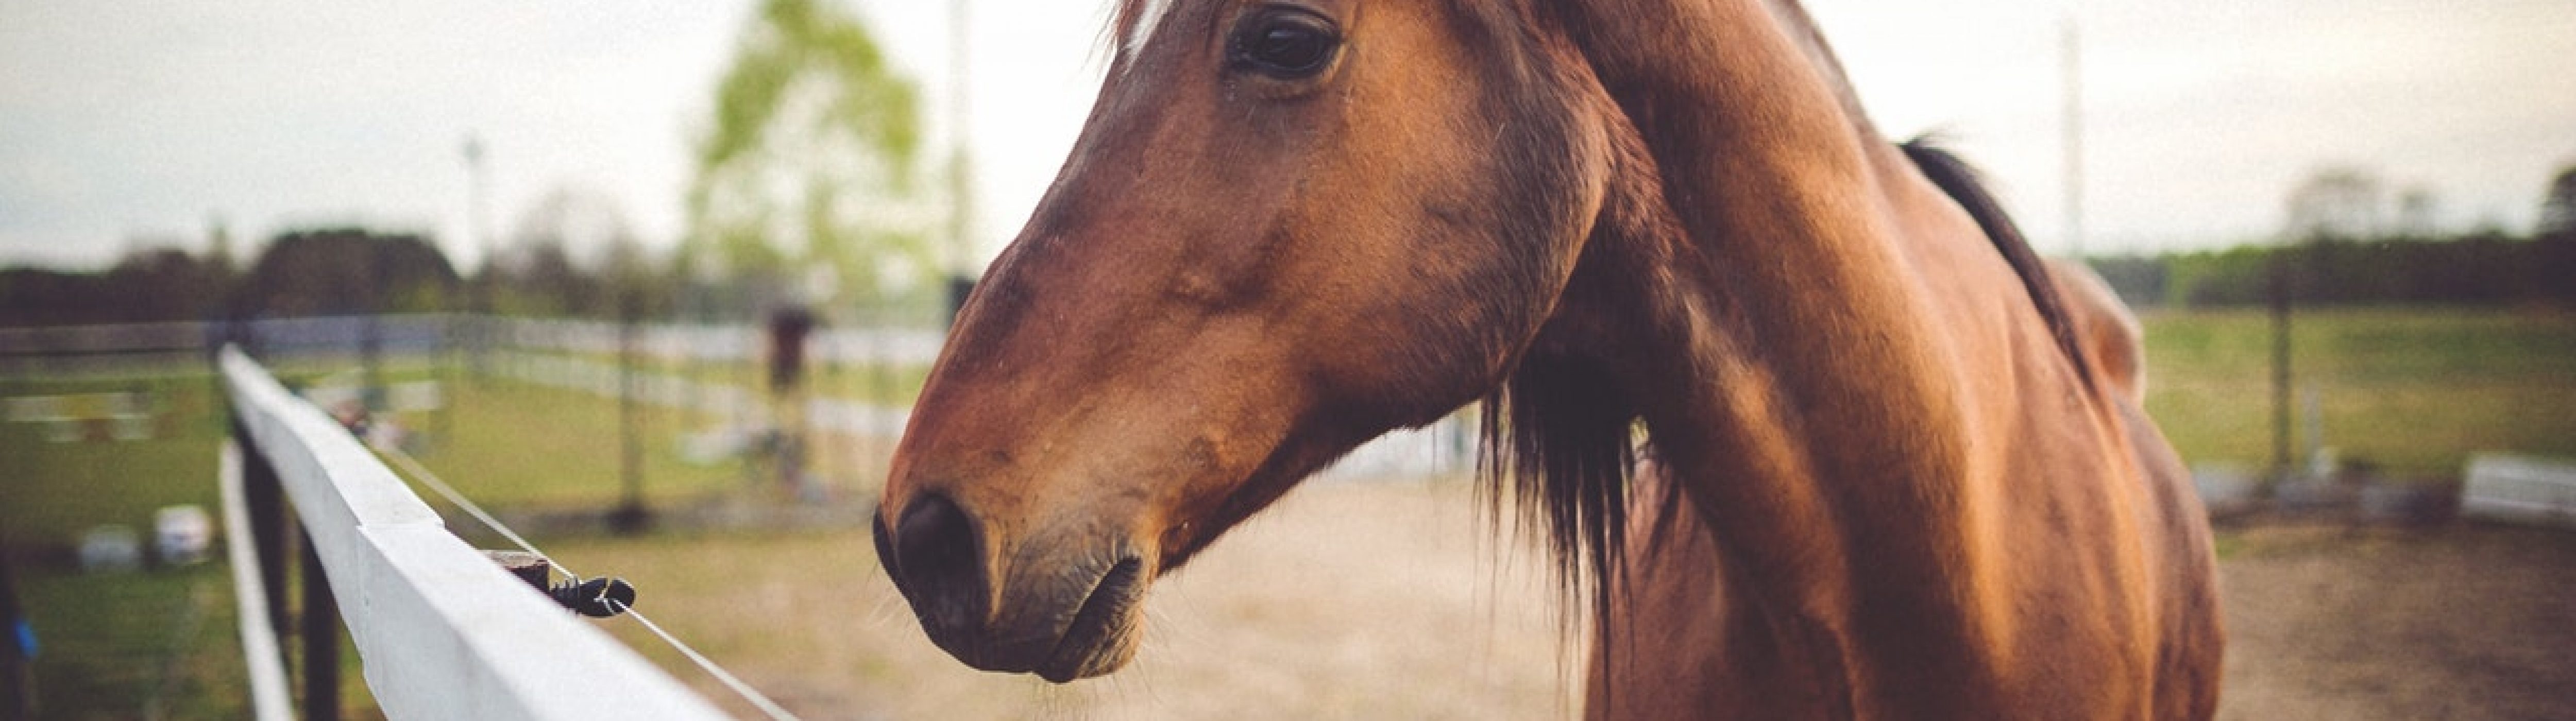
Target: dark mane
(1960,182)
(1557,438)
(1557,441)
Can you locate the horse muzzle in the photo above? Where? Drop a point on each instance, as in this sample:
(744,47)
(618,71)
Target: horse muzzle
(1068,608)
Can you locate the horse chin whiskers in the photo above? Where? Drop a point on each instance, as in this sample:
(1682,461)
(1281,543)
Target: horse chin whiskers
(1101,637)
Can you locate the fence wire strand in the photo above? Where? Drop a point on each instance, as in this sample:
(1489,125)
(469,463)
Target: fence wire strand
(413,468)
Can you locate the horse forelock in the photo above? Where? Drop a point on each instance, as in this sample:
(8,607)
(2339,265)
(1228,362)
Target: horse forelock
(1131,23)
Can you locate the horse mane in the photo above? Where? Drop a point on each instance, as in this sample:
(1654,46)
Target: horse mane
(1558,440)
(1960,181)
(1562,441)
(1125,19)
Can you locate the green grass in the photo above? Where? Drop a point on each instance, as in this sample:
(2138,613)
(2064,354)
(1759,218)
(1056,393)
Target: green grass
(115,645)
(878,384)
(2412,391)
(52,490)
(519,444)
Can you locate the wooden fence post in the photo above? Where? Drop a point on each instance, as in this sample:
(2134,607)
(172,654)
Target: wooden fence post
(266,503)
(321,632)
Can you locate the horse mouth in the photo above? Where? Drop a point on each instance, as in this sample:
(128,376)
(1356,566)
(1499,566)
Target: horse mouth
(1101,637)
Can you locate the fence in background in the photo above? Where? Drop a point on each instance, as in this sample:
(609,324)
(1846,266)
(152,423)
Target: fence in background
(427,333)
(579,355)
(2518,488)
(441,630)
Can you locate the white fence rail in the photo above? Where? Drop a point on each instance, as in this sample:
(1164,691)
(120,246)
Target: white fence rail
(2519,488)
(269,698)
(442,631)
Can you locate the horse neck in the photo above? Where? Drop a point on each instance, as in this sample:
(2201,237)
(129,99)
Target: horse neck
(1765,234)
(1772,284)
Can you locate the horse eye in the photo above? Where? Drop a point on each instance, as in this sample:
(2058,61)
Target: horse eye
(1287,44)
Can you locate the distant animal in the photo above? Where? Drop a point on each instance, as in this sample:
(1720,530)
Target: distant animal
(1658,228)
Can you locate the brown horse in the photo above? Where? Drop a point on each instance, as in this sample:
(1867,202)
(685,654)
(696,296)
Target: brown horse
(1291,226)
(1667,624)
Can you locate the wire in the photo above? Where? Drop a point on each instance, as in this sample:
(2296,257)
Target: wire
(748,693)
(421,473)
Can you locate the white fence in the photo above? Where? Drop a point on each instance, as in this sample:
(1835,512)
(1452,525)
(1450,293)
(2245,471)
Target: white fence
(2519,488)
(442,631)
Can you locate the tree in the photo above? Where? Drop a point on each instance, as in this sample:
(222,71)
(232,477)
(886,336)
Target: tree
(809,162)
(168,284)
(558,253)
(2554,272)
(348,271)
(2558,209)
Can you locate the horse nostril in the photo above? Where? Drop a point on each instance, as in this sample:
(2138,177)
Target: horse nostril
(938,557)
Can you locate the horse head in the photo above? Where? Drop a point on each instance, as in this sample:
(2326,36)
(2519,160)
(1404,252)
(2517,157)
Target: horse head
(1286,228)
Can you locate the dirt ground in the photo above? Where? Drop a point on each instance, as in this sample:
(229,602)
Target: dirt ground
(2460,622)
(1397,601)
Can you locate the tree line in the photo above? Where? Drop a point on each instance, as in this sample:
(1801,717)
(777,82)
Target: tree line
(357,271)
(2476,269)
(2333,259)
(350,271)
(2338,250)
(335,271)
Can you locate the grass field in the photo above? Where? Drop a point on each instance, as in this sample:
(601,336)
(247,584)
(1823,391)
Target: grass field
(876,384)
(2412,390)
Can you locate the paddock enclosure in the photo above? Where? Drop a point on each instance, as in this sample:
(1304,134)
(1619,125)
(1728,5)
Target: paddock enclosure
(1388,600)
(1380,594)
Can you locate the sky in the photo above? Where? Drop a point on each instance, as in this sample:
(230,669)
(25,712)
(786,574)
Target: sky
(128,124)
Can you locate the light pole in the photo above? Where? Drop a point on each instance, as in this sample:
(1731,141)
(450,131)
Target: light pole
(961,205)
(479,291)
(2070,40)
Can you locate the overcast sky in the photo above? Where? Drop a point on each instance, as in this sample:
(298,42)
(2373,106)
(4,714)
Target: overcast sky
(130,123)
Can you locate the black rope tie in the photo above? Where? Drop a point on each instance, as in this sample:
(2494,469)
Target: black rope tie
(600,597)
(597,598)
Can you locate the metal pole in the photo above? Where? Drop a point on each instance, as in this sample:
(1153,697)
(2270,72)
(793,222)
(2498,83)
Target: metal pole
(479,291)
(321,632)
(961,191)
(444,357)
(371,338)
(632,516)
(2280,287)
(2074,139)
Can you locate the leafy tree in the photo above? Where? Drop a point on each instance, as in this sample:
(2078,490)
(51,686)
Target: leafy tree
(2558,209)
(559,250)
(167,284)
(346,271)
(810,159)
(2554,272)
